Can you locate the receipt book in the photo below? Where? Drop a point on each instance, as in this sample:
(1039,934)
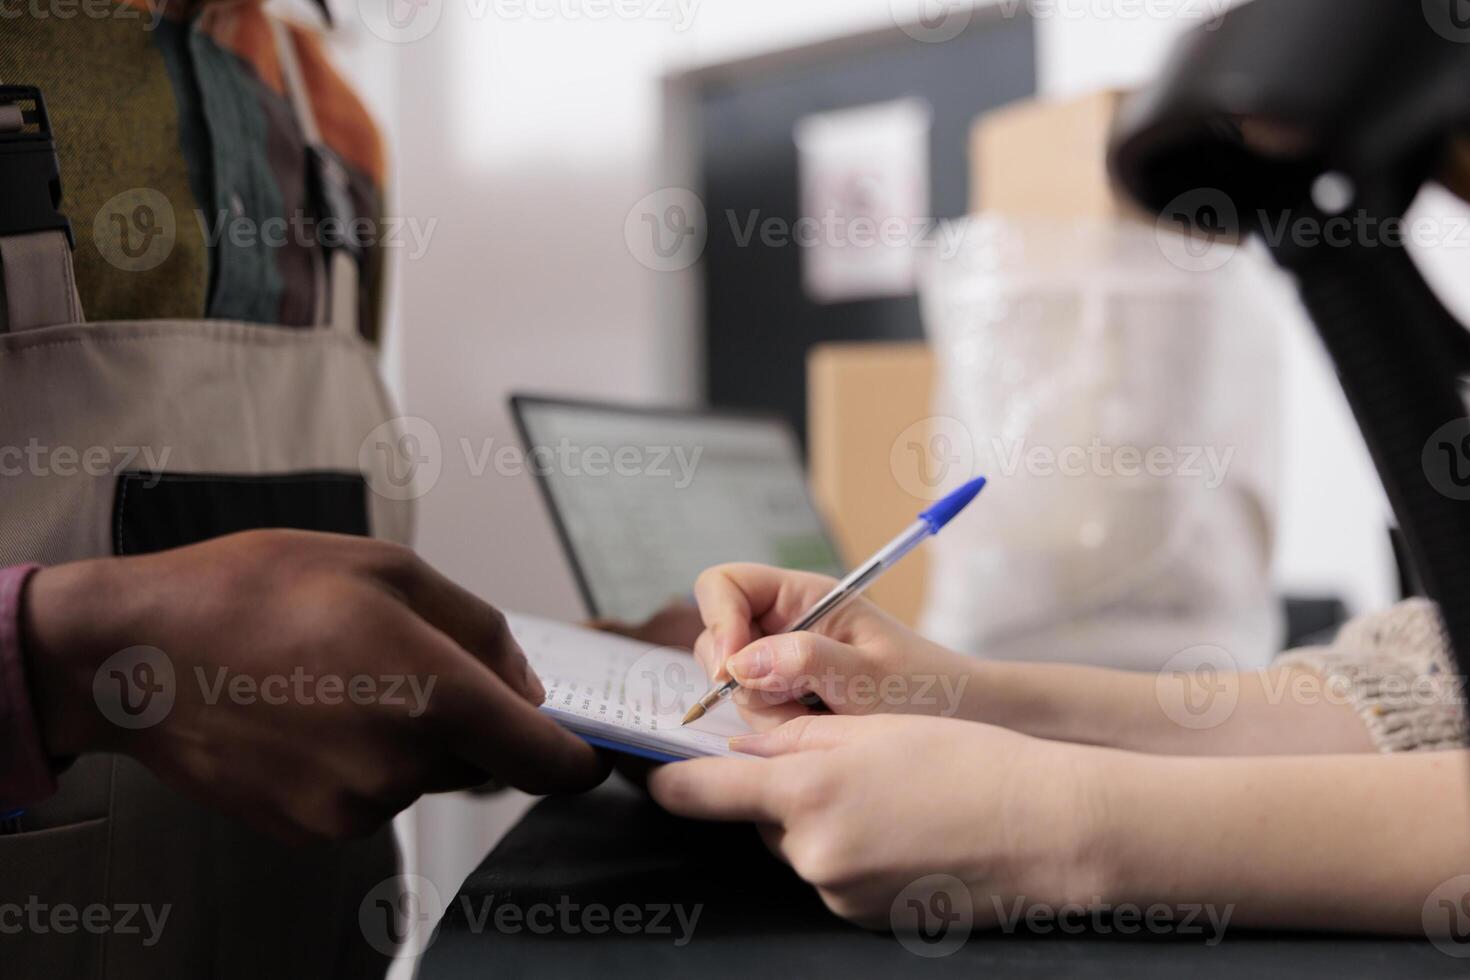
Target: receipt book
(624,695)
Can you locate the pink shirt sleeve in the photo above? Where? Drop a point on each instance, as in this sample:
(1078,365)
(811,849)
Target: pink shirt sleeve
(25,772)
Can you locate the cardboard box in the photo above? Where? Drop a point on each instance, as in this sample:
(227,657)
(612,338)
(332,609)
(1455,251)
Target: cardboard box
(1044,159)
(863,399)
(1048,159)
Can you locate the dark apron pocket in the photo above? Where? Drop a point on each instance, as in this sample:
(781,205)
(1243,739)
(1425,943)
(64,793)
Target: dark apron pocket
(52,884)
(154,512)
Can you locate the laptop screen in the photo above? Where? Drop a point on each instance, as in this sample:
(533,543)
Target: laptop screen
(645,500)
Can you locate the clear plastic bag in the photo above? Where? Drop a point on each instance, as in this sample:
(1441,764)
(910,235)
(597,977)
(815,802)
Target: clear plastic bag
(1124,409)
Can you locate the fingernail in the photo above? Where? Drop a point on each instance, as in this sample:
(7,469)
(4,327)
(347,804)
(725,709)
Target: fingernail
(752,662)
(534,687)
(750,744)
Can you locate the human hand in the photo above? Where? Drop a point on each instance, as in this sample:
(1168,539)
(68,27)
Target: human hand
(677,624)
(319,683)
(858,661)
(864,807)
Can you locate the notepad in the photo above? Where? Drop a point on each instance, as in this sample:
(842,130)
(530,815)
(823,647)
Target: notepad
(624,695)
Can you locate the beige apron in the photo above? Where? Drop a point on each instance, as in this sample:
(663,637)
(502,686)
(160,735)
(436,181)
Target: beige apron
(258,422)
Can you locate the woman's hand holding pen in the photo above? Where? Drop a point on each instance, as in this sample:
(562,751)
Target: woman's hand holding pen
(864,807)
(861,661)
(1039,808)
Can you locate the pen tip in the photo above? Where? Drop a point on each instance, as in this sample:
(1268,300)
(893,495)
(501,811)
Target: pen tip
(695,713)
(945,510)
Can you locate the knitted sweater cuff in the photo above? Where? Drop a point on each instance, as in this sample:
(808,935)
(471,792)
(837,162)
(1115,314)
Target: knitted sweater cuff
(1396,670)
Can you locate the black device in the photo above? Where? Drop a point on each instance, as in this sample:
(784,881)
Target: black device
(1292,114)
(33,202)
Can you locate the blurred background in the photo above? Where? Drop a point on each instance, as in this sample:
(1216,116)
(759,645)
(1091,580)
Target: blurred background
(533,140)
(530,139)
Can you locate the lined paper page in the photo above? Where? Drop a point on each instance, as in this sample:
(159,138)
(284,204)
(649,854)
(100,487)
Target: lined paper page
(622,690)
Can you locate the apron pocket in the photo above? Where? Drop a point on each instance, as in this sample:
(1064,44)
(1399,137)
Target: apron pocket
(52,884)
(154,512)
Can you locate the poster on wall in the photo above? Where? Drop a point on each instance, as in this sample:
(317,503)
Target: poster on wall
(864,179)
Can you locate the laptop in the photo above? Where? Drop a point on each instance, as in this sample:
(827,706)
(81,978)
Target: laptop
(644,499)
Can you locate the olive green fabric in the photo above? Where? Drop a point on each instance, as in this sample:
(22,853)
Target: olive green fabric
(183,168)
(116,126)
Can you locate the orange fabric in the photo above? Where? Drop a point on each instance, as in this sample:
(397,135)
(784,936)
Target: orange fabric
(241,27)
(346,125)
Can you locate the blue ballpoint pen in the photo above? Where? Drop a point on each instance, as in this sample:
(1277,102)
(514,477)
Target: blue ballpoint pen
(927,525)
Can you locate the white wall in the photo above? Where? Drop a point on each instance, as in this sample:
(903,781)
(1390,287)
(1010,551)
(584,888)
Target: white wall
(537,140)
